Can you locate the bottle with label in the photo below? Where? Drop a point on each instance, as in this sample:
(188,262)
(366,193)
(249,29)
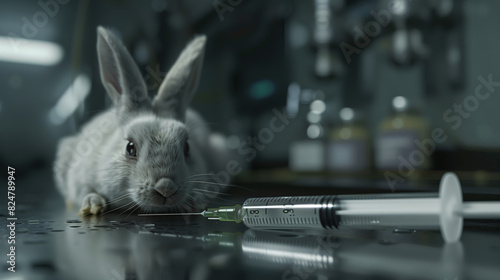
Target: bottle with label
(398,143)
(349,144)
(307,153)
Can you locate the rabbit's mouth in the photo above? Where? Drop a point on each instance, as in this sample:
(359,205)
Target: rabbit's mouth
(173,199)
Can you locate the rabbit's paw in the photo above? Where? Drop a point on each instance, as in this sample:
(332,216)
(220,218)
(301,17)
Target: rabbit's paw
(93,204)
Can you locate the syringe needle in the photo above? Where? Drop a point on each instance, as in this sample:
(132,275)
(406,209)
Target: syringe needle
(170,214)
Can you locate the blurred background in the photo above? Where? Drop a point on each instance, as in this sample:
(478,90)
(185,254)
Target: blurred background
(388,89)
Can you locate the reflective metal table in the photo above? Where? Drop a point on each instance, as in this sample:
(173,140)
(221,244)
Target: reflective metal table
(53,242)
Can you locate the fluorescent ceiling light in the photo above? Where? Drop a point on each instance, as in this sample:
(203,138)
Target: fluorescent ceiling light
(70,99)
(26,51)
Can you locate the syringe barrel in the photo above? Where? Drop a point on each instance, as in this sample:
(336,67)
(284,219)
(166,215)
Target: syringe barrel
(292,212)
(415,211)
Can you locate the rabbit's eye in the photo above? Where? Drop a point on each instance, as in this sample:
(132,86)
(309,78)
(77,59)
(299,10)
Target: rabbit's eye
(186,149)
(131,151)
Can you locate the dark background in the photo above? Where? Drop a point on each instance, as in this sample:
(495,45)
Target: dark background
(255,50)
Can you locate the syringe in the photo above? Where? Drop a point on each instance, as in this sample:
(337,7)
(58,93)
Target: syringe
(443,211)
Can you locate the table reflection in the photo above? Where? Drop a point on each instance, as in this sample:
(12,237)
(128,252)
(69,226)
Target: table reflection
(142,250)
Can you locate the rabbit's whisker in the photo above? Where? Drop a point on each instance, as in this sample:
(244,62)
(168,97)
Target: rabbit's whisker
(223,185)
(112,210)
(207,191)
(133,210)
(121,197)
(131,207)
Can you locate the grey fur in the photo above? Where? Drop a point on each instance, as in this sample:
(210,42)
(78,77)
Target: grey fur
(91,168)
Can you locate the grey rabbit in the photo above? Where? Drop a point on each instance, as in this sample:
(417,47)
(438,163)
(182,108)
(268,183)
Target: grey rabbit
(153,155)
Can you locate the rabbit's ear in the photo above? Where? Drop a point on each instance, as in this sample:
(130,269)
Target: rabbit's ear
(119,73)
(181,82)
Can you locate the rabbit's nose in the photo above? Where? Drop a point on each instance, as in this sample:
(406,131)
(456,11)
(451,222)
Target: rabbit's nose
(165,187)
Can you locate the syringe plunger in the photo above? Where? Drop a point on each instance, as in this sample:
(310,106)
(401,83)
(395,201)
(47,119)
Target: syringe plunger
(443,211)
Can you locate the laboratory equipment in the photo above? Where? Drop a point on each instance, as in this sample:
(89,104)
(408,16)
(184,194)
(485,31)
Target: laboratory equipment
(307,152)
(402,134)
(349,143)
(443,211)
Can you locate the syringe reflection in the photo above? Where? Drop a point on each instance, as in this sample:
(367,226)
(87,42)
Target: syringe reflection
(330,255)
